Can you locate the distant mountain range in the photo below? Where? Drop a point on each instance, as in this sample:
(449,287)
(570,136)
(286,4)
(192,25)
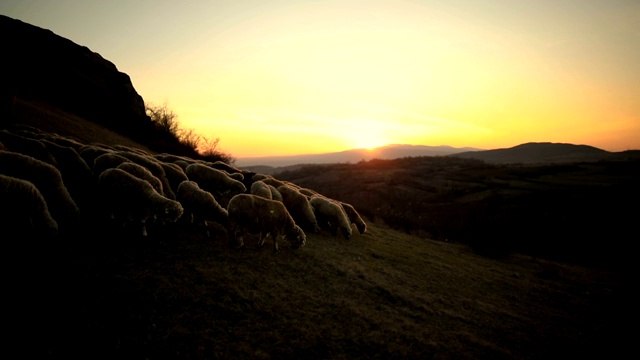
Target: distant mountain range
(529,153)
(354,155)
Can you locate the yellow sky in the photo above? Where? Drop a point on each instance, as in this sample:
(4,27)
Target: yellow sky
(297,77)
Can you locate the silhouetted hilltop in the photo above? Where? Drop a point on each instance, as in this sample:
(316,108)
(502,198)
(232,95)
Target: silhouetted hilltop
(543,152)
(40,66)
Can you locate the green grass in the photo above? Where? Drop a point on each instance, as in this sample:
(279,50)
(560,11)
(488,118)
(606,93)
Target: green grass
(383,295)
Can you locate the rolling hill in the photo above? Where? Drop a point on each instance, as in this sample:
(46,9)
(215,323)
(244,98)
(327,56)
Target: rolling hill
(544,153)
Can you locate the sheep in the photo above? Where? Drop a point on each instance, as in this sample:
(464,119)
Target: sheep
(25,145)
(108,160)
(252,213)
(76,173)
(90,152)
(307,192)
(175,175)
(142,173)
(273,181)
(221,165)
(182,163)
(200,205)
(275,194)
(153,165)
(299,207)
(331,214)
(261,189)
(354,217)
(47,179)
(24,211)
(129,198)
(215,181)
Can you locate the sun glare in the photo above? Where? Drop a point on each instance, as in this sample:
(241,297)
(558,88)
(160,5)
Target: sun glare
(367,138)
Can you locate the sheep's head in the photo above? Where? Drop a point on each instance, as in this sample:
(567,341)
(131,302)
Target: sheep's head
(171,211)
(297,237)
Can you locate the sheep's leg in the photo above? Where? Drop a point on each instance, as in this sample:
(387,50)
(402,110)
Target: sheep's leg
(144,229)
(262,239)
(275,243)
(206,226)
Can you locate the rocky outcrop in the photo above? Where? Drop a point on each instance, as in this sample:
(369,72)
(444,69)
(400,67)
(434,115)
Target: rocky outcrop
(37,64)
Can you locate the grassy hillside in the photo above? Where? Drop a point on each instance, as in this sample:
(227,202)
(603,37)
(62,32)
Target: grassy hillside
(383,295)
(103,293)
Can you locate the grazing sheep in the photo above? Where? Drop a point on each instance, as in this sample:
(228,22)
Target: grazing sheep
(153,165)
(236,176)
(215,181)
(332,215)
(24,211)
(273,182)
(108,160)
(200,205)
(25,145)
(65,141)
(131,149)
(182,163)
(48,181)
(221,165)
(255,214)
(89,153)
(131,199)
(76,174)
(354,217)
(143,173)
(261,189)
(307,192)
(175,175)
(299,207)
(171,158)
(275,194)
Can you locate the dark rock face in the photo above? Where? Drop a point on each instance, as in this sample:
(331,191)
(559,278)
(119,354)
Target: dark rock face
(37,64)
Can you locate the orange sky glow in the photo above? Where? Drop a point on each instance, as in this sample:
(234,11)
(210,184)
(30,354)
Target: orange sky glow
(299,77)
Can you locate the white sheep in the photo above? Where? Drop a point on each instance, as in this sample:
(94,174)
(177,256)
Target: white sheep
(153,165)
(354,217)
(215,181)
(129,198)
(299,207)
(331,214)
(48,181)
(26,145)
(175,175)
(199,205)
(107,160)
(89,152)
(24,211)
(143,173)
(255,214)
(261,189)
(275,194)
(76,173)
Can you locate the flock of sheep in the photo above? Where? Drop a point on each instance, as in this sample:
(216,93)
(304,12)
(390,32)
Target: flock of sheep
(50,184)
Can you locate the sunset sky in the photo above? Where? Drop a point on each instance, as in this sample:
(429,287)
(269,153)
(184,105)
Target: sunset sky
(298,77)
